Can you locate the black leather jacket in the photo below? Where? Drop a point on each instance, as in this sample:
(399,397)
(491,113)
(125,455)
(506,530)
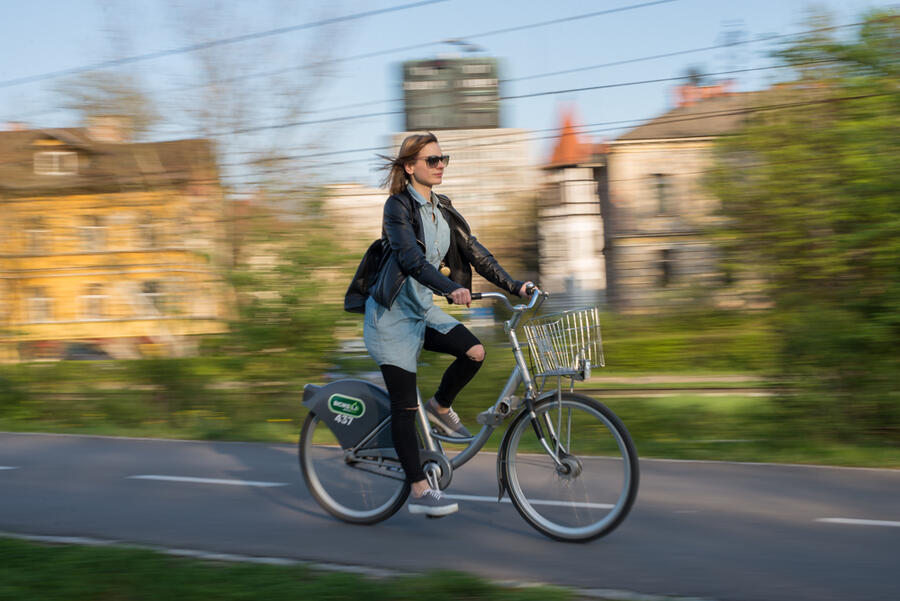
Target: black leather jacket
(402,232)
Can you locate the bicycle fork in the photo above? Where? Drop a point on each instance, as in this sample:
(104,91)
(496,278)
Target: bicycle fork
(554,447)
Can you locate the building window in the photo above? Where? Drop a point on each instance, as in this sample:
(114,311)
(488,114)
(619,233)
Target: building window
(36,236)
(154,298)
(666,268)
(39,306)
(92,233)
(476,68)
(93,302)
(663,189)
(56,162)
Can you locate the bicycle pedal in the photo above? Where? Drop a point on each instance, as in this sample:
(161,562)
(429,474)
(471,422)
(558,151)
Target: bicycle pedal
(489,418)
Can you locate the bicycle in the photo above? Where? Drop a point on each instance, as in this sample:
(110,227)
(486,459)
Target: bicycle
(575,480)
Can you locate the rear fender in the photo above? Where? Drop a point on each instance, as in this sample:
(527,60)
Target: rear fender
(351,409)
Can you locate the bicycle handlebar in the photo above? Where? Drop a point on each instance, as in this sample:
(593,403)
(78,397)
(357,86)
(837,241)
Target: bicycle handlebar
(533,290)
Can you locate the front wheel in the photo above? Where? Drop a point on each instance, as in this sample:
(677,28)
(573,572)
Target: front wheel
(360,488)
(591,489)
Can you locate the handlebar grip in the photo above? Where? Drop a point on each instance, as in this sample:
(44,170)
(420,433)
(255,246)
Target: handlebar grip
(529,289)
(475,296)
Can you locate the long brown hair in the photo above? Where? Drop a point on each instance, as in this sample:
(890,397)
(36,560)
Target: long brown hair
(397,178)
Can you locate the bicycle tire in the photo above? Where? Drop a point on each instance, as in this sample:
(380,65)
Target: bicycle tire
(598,491)
(347,492)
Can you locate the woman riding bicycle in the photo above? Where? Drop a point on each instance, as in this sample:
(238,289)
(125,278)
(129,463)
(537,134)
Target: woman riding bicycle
(430,241)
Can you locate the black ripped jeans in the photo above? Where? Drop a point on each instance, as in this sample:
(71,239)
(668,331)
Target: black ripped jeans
(401,386)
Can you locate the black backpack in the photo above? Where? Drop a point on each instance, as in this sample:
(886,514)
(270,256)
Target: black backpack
(366,274)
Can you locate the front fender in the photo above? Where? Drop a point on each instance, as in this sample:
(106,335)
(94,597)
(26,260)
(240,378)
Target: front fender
(503,452)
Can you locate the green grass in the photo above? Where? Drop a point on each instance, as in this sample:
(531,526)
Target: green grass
(257,397)
(71,572)
(680,426)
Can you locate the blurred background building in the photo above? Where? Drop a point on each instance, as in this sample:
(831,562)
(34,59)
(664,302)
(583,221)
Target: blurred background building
(661,215)
(358,209)
(492,178)
(451,93)
(571,212)
(109,247)
(625,223)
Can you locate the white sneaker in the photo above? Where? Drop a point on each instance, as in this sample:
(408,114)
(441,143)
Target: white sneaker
(432,503)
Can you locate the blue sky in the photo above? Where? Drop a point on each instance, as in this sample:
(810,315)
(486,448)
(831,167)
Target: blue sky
(49,36)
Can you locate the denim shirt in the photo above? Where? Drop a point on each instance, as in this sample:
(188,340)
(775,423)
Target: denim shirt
(395,336)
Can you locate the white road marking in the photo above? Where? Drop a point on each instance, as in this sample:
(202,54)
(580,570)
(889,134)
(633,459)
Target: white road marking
(532,501)
(858,522)
(293,448)
(7,467)
(208,480)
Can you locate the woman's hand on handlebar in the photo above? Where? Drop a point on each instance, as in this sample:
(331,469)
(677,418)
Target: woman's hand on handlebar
(461,296)
(526,289)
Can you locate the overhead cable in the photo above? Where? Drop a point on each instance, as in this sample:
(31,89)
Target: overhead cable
(211,44)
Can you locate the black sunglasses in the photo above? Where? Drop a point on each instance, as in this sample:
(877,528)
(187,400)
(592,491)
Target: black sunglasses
(433,160)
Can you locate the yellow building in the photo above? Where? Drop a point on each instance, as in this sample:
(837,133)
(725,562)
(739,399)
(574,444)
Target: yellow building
(107,247)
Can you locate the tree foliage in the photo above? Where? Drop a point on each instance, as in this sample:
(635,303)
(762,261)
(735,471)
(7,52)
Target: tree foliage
(812,200)
(101,93)
(289,287)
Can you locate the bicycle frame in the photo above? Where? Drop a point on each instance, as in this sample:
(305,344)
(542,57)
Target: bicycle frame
(562,345)
(520,374)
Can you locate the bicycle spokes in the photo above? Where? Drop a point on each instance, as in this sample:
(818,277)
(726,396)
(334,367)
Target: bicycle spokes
(580,480)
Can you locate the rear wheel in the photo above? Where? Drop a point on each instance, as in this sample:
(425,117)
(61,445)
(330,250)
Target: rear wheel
(593,487)
(360,488)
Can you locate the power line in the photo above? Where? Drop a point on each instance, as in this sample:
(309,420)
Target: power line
(130,182)
(512,97)
(629,61)
(587,128)
(592,67)
(567,19)
(202,46)
(211,44)
(590,128)
(579,69)
(657,80)
(496,32)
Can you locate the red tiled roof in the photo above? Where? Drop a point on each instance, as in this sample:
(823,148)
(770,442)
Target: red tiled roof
(569,149)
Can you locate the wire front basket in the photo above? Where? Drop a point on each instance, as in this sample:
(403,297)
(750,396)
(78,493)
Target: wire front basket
(565,344)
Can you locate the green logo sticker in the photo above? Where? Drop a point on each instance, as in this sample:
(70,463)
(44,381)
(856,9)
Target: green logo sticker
(346,405)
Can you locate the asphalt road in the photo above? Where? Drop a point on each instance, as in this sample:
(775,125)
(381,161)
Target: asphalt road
(701,529)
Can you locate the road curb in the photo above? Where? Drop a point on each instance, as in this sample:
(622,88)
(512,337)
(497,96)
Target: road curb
(360,570)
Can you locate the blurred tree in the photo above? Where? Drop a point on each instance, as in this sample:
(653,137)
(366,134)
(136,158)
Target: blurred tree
(248,88)
(101,93)
(290,302)
(811,197)
(245,96)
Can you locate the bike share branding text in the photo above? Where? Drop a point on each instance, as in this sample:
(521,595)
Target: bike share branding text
(346,408)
